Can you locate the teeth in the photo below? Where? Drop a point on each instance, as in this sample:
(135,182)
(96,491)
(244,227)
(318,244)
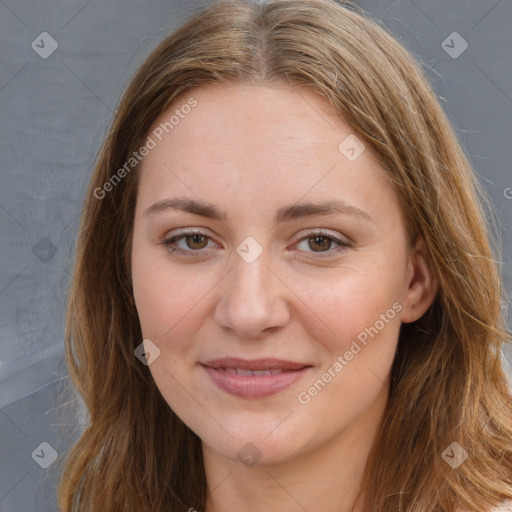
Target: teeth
(240,371)
(243,372)
(261,372)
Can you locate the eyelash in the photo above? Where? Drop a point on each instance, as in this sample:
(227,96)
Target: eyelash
(169,243)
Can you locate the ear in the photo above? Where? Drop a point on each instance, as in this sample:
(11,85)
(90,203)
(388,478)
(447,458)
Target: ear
(422,284)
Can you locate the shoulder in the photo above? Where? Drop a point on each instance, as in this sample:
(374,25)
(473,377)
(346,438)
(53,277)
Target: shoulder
(506,506)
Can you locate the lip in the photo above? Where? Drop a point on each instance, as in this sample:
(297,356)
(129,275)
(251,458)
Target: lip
(254,386)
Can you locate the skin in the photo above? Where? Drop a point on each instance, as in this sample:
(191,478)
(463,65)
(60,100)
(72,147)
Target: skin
(250,151)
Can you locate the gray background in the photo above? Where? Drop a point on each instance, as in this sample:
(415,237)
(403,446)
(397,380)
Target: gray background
(55,111)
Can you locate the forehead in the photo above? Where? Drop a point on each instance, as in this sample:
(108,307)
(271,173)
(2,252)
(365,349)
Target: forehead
(232,119)
(270,144)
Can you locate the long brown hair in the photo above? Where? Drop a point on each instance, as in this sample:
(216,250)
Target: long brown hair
(447,383)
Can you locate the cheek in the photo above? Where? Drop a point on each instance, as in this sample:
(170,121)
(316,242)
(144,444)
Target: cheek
(165,296)
(363,314)
(352,302)
(365,340)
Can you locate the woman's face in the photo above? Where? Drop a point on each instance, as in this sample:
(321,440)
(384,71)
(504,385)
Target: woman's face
(300,270)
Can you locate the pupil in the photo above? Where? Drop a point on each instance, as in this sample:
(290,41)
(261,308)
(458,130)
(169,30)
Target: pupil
(321,241)
(196,239)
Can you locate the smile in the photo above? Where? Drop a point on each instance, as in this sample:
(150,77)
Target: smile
(254,379)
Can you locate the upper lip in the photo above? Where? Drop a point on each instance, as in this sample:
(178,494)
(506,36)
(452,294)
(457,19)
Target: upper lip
(254,364)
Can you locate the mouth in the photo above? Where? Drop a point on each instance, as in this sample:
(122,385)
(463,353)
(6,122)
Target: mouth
(256,378)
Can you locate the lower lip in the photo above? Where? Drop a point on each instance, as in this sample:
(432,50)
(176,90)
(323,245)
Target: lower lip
(254,386)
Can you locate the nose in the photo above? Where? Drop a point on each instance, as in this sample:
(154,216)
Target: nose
(252,299)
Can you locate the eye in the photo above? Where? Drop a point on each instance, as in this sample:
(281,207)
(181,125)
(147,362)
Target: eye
(322,243)
(192,242)
(188,242)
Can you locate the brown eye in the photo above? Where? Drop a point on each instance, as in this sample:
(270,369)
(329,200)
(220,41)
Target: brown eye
(196,241)
(324,245)
(319,243)
(188,244)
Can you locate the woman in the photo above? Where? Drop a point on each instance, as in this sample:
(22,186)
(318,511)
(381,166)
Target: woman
(284,296)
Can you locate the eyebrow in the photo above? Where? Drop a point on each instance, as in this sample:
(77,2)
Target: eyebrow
(283,214)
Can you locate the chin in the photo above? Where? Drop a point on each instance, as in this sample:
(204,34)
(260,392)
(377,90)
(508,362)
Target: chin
(258,443)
